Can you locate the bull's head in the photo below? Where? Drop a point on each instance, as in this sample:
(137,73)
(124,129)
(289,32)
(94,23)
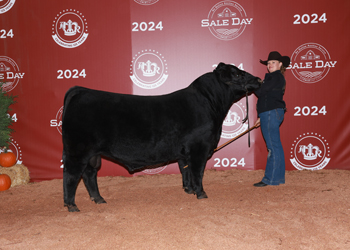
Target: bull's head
(241,80)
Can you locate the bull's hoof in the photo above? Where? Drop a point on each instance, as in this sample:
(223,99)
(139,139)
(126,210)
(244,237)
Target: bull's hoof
(189,191)
(72,208)
(203,195)
(98,200)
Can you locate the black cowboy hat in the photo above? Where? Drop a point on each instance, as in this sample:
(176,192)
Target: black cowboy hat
(274,55)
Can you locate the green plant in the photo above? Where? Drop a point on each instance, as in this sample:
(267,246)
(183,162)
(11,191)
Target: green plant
(5,120)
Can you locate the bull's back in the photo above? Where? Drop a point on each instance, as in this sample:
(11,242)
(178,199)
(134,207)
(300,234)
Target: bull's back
(106,115)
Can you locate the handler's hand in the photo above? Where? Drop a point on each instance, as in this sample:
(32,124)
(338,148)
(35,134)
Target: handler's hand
(257,123)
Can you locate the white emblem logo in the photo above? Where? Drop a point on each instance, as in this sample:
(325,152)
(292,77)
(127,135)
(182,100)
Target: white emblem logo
(311,62)
(9,73)
(148,69)
(69,29)
(310,151)
(4,7)
(232,125)
(146,2)
(227,20)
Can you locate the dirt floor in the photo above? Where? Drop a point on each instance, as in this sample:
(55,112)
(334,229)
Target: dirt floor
(310,211)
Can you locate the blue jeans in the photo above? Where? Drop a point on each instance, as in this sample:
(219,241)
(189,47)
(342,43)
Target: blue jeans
(270,122)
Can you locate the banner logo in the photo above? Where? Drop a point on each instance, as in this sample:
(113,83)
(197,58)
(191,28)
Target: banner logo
(57,123)
(310,151)
(148,69)
(227,20)
(6,5)
(311,62)
(69,29)
(9,73)
(146,2)
(233,125)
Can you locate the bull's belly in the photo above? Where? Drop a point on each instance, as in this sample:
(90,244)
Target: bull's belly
(139,164)
(135,159)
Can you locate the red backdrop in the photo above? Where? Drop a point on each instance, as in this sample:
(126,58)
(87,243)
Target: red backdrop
(152,47)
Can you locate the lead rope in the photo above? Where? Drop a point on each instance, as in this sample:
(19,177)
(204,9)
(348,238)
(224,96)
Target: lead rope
(247,117)
(228,142)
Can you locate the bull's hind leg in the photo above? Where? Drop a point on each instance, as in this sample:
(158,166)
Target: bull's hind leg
(70,183)
(90,179)
(186,177)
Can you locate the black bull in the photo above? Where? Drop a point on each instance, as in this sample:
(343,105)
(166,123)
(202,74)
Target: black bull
(140,131)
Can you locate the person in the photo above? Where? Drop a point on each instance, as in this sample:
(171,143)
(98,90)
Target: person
(271,108)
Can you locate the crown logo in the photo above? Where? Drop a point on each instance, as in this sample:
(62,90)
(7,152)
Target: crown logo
(148,68)
(310,152)
(231,119)
(68,29)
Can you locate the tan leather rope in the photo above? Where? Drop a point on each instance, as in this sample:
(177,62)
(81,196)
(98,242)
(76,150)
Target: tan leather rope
(228,142)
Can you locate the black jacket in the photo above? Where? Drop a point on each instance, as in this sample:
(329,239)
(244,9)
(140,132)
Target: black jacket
(270,94)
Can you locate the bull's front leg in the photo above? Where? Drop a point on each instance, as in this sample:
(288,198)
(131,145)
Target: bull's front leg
(197,179)
(186,177)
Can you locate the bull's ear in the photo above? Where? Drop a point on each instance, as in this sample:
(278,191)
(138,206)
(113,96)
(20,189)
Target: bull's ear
(224,73)
(221,66)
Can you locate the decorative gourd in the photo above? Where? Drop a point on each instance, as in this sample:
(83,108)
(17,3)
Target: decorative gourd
(5,182)
(7,159)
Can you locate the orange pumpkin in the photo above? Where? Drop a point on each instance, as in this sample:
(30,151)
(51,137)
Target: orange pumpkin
(7,159)
(5,182)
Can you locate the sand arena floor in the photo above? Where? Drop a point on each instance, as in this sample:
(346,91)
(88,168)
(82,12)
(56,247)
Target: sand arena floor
(311,211)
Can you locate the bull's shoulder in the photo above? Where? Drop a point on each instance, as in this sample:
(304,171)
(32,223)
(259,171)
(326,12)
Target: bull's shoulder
(205,81)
